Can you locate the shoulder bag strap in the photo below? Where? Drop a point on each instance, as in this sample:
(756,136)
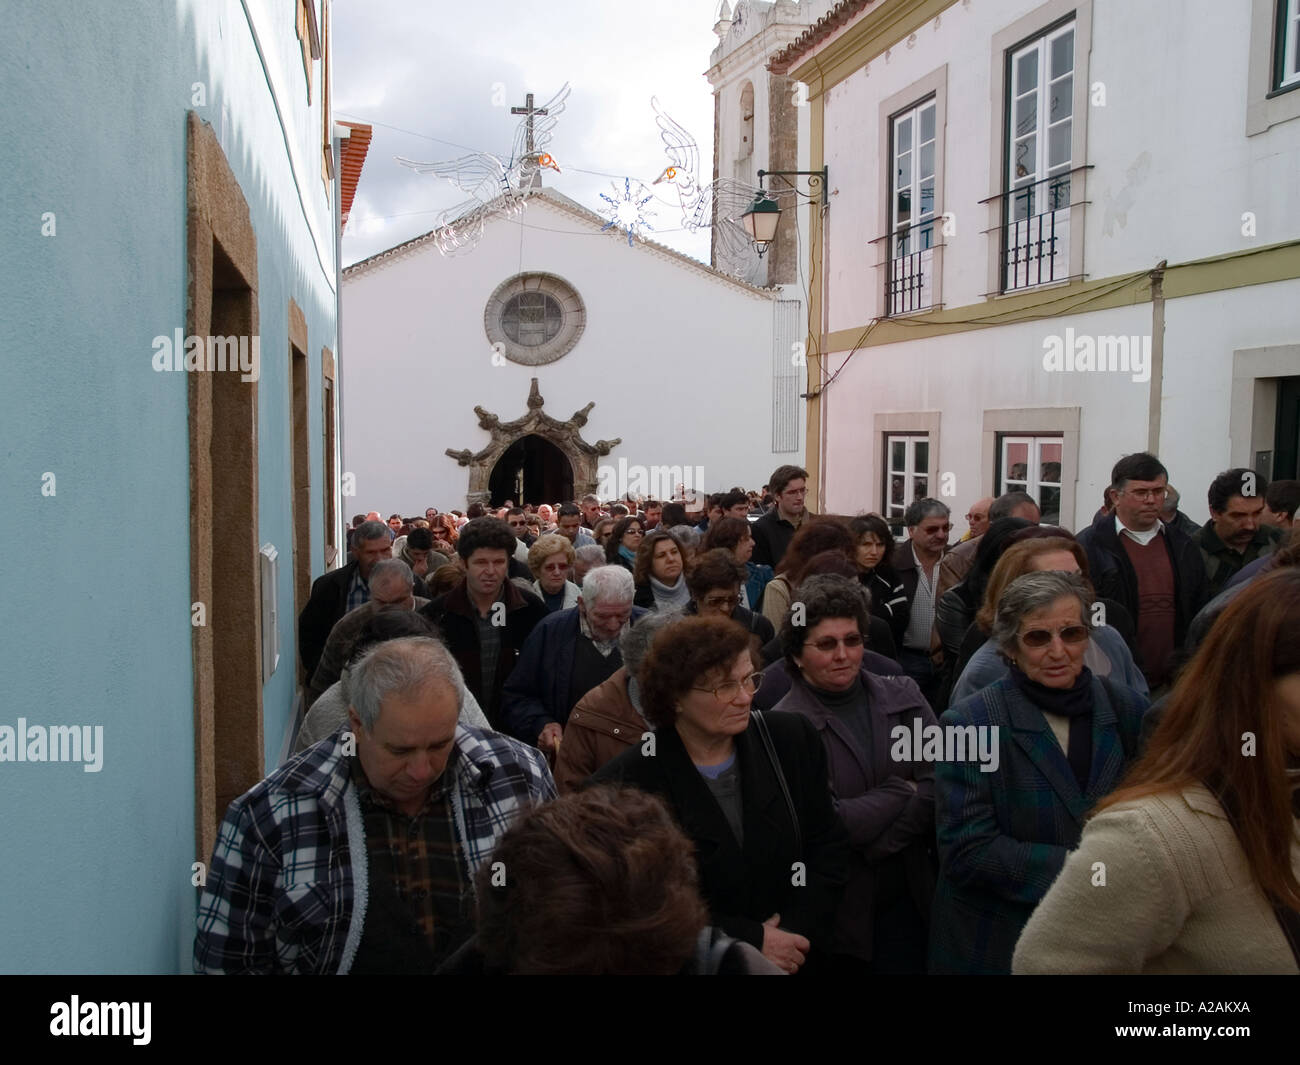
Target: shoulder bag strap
(780,779)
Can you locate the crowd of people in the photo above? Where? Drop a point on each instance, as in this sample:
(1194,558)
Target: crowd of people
(723,734)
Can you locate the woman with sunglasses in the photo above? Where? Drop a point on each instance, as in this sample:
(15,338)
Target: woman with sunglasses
(1106,653)
(886,803)
(750,791)
(1038,750)
(1205,823)
(622,542)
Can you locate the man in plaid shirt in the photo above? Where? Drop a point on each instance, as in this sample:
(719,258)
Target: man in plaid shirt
(359,855)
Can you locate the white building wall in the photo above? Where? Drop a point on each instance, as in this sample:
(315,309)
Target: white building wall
(1173,172)
(677,361)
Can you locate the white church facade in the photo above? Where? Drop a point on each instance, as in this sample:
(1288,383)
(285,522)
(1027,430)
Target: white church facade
(553,359)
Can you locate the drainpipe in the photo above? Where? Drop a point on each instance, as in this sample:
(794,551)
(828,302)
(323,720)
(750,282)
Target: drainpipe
(1156,384)
(341,133)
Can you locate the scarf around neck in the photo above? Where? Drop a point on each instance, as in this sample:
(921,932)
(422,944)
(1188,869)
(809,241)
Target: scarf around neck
(668,596)
(1075,703)
(626,553)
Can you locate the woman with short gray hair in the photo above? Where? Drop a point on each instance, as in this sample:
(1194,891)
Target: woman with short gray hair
(886,803)
(1053,739)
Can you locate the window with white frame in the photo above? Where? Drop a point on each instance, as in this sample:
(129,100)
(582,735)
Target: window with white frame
(910,278)
(907,465)
(1287,49)
(1040,128)
(1033,464)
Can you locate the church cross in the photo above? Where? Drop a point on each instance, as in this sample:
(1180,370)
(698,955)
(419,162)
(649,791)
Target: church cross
(529,110)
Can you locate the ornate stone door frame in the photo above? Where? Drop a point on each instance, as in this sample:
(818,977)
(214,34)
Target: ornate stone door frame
(566,435)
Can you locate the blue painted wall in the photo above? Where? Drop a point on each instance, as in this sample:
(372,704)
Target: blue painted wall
(95,867)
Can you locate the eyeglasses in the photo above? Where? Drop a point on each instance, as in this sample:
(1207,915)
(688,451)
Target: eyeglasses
(728,692)
(1042,637)
(827,644)
(1147,495)
(718,602)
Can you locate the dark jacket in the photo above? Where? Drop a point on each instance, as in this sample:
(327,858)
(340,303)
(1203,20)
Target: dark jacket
(1113,575)
(903,561)
(889,599)
(744,886)
(1003,836)
(884,815)
(540,690)
(772,535)
(457,618)
(1223,562)
(329,602)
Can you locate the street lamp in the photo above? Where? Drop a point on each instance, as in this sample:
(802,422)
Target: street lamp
(761,220)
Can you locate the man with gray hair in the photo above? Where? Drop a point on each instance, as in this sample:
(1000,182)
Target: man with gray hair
(607,720)
(359,855)
(567,654)
(917,564)
(341,590)
(392,587)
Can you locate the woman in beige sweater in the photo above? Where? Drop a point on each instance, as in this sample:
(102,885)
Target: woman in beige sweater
(1193,865)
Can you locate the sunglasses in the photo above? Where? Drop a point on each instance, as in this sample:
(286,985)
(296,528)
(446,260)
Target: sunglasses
(1042,637)
(827,644)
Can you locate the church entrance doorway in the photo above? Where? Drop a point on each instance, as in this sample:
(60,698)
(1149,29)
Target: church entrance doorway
(532,470)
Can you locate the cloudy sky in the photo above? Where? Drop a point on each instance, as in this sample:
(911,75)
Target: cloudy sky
(431,68)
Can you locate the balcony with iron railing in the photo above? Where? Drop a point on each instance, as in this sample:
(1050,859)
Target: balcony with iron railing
(910,268)
(1034,231)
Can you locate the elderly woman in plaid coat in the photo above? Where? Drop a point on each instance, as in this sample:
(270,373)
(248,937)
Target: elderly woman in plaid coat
(1062,738)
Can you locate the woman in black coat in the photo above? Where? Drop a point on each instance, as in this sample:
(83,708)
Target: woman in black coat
(877,576)
(772,866)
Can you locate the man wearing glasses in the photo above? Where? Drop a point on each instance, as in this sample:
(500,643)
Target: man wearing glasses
(916,561)
(1153,570)
(774,530)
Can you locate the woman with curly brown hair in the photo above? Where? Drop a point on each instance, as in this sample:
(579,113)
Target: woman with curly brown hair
(660,572)
(751,793)
(1200,841)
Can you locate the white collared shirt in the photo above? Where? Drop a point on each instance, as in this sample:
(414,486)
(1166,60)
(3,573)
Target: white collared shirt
(1142,538)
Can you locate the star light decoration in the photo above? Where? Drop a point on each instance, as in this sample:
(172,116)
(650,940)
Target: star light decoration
(494,187)
(627,211)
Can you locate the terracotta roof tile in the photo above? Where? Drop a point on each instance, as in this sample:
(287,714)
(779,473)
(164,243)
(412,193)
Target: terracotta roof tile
(837,17)
(354,158)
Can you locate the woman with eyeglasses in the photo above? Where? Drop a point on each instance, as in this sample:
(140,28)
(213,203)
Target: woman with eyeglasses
(1024,761)
(1106,653)
(714,582)
(623,541)
(1204,828)
(886,803)
(751,792)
